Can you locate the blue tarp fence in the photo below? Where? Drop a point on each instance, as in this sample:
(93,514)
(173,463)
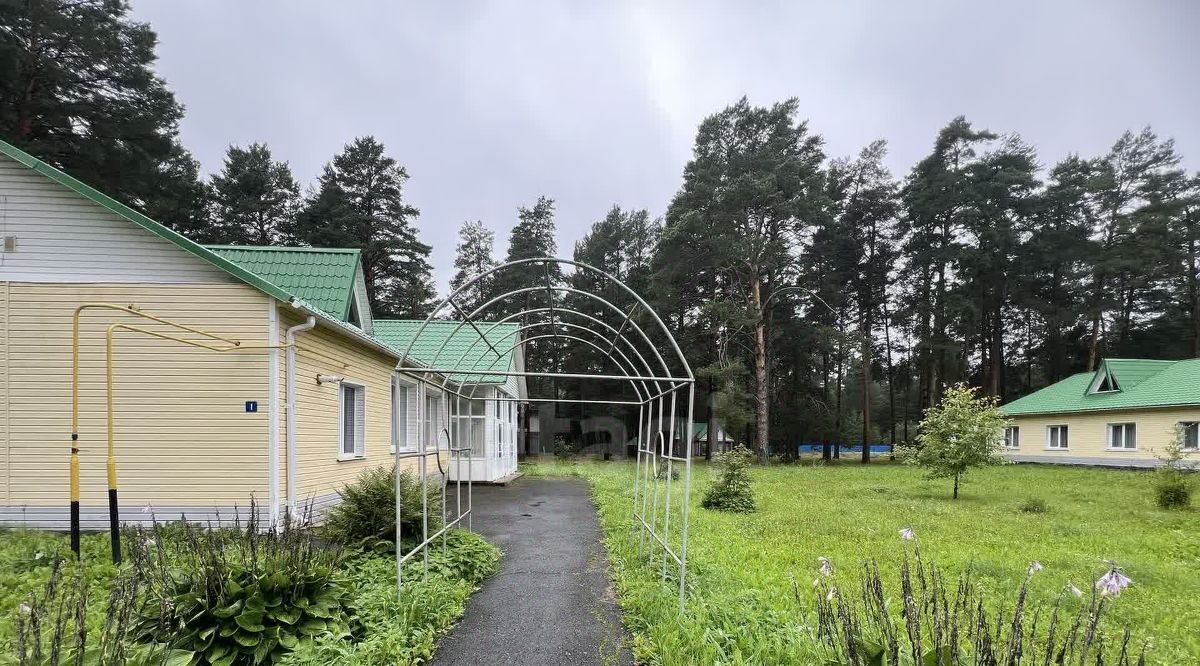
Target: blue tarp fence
(816,447)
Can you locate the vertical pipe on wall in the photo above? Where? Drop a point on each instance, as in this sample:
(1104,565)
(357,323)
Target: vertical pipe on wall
(273,412)
(289,382)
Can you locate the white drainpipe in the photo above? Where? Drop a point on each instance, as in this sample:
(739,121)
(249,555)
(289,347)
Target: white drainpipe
(290,408)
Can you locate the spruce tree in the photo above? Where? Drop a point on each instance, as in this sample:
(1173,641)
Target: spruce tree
(359,202)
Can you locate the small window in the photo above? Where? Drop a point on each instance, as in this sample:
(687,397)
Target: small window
(1056,437)
(432,421)
(400,402)
(1122,436)
(1189,435)
(1012,437)
(352,417)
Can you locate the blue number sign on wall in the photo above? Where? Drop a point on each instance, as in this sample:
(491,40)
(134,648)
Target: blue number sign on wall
(251,406)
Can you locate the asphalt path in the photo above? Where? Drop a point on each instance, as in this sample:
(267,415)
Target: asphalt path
(552,601)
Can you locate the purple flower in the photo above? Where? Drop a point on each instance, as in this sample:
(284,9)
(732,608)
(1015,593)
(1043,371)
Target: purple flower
(908,534)
(1111,583)
(1074,590)
(826,566)
(1034,567)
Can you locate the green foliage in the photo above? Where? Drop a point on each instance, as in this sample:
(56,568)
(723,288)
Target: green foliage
(80,90)
(733,491)
(366,515)
(565,447)
(255,198)
(236,595)
(1034,505)
(1172,479)
(185,588)
(473,257)
(962,432)
(359,202)
(403,631)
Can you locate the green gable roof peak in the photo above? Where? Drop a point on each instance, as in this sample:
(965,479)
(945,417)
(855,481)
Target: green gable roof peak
(1119,383)
(323,277)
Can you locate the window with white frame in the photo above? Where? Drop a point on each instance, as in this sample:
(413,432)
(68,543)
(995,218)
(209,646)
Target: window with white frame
(468,419)
(1189,435)
(1122,436)
(352,421)
(401,393)
(1012,437)
(432,420)
(1056,437)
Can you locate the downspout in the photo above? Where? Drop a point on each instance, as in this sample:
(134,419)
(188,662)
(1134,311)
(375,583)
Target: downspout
(290,408)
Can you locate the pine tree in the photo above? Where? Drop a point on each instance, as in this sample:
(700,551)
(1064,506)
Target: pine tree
(473,257)
(752,186)
(79,90)
(255,198)
(359,202)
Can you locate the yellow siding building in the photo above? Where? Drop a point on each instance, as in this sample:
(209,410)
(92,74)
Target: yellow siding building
(1124,414)
(197,432)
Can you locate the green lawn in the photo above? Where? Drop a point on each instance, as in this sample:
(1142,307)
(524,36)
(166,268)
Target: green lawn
(742,608)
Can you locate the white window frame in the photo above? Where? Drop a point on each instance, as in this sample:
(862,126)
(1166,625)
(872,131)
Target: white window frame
(1064,436)
(400,412)
(1184,426)
(1126,427)
(1012,437)
(360,448)
(431,420)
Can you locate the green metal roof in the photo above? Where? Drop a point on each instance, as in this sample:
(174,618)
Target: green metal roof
(182,242)
(464,347)
(323,277)
(1142,383)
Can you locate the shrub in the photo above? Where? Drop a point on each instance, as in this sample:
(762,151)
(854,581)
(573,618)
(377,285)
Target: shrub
(236,595)
(564,447)
(1172,485)
(732,491)
(366,516)
(1173,491)
(1034,505)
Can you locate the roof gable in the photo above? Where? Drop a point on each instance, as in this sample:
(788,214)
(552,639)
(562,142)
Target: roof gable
(323,277)
(1131,383)
(459,344)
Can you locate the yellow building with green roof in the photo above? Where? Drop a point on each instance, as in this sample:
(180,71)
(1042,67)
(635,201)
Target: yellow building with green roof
(1123,414)
(293,397)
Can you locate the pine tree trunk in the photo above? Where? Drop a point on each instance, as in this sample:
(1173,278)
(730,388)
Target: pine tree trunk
(866,400)
(762,416)
(887,346)
(955,486)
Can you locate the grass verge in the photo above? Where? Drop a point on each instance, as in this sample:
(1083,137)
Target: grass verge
(744,605)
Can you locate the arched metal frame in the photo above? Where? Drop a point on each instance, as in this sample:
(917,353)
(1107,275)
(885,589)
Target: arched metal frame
(656,385)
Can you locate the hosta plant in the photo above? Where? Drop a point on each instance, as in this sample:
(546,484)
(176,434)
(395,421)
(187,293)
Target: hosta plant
(239,595)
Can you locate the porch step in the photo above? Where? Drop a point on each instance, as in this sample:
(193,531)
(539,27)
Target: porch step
(502,481)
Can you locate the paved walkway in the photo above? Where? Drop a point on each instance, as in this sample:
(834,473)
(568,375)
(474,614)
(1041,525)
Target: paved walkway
(551,602)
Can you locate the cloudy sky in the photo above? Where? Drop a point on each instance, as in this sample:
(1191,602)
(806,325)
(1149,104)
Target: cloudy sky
(490,104)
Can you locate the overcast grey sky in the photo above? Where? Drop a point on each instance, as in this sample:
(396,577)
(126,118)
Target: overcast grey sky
(489,104)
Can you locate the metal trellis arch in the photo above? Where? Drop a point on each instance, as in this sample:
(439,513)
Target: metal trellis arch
(659,384)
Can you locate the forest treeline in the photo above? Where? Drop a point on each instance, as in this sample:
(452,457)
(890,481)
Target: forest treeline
(816,296)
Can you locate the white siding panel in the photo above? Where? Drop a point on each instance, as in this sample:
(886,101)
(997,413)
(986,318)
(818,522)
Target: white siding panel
(64,237)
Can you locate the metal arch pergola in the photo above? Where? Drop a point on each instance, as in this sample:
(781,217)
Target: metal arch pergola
(656,385)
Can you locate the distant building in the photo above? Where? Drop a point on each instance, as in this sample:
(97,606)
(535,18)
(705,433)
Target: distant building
(1120,415)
